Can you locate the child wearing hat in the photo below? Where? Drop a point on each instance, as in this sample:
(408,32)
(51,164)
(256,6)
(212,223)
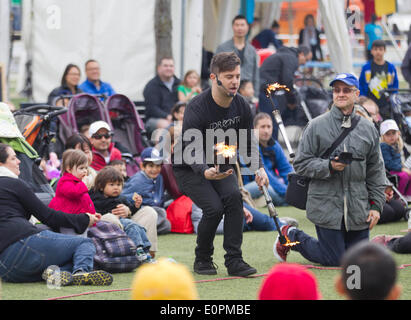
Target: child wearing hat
(391,149)
(149,184)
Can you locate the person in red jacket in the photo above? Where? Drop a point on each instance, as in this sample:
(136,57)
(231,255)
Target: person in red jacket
(103,148)
(71,193)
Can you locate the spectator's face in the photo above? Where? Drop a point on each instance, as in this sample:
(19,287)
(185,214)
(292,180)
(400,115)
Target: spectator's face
(192,79)
(122,169)
(247,90)
(240,28)
(93,71)
(265,129)
(152,170)
(372,110)
(179,115)
(303,59)
(113,189)
(12,162)
(73,77)
(101,140)
(344,96)
(85,148)
(378,53)
(166,69)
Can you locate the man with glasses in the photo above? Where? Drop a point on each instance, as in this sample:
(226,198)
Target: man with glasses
(103,148)
(93,84)
(344,199)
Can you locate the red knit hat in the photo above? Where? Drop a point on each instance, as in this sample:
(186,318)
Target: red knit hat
(288,281)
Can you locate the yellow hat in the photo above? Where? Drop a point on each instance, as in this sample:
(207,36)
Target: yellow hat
(163,280)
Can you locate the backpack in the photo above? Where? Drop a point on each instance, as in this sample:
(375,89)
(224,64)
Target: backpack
(115,251)
(179,215)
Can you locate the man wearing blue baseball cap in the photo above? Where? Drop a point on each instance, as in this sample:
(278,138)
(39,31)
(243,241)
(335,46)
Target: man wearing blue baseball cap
(344,198)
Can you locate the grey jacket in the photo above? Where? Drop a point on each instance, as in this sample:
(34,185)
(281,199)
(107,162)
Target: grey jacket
(347,194)
(249,65)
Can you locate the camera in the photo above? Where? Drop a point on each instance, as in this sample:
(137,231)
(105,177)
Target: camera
(345,157)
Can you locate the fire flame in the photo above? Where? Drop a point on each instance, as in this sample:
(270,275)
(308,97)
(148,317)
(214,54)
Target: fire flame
(225,151)
(289,243)
(276,86)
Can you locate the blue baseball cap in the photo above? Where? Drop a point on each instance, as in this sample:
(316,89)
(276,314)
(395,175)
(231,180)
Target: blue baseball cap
(347,78)
(151,155)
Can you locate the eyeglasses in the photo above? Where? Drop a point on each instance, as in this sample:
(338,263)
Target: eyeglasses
(345,90)
(100,136)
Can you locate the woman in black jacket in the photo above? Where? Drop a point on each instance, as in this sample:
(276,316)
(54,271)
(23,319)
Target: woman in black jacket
(310,37)
(28,254)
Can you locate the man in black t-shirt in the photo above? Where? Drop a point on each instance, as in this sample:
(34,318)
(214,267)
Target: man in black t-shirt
(213,112)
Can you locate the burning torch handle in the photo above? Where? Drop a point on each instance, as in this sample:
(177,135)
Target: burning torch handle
(272,210)
(279,120)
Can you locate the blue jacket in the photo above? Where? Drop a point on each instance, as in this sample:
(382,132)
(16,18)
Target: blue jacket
(365,79)
(392,158)
(273,158)
(105,88)
(151,190)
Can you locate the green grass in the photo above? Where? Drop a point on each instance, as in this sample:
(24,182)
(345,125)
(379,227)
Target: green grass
(257,251)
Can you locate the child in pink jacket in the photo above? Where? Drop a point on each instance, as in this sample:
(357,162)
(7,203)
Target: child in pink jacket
(71,193)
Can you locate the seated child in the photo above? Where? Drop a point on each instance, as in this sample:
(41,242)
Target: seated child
(71,192)
(120,165)
(107,199)
(149,184)
(391,149)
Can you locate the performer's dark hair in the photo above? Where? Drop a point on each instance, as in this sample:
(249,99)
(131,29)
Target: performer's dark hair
(224,61)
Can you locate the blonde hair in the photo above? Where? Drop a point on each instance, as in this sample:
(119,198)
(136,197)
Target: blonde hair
(399,145)
(73,158)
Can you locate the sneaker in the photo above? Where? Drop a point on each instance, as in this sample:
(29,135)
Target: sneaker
(383,239)
(239,268)
(94,278)
(141,255)
(52,275)
(205,267)
(280,251)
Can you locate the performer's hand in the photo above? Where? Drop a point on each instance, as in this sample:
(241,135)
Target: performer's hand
(261,178)
(248,216)
(373,218)
(213,174)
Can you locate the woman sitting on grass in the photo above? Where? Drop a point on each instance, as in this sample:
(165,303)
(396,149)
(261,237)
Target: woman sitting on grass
(26,252)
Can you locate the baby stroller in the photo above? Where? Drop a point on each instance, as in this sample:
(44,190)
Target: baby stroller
(400,104)
(29,170)
(34,122)
(314,99)
(128,129)
(82,110)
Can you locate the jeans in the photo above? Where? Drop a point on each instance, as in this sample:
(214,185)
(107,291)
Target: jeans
(401,244)
(255,192)
(26,259)
(136,233)
(330,246)
(261,221)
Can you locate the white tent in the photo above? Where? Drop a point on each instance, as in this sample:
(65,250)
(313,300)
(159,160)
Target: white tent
(118,34)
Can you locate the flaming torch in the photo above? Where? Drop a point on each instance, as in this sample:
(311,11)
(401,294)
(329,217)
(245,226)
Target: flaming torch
(284,240)
(276,112)
(224,150)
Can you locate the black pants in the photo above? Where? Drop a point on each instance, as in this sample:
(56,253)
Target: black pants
(216,198)
(401,245)
(392,211)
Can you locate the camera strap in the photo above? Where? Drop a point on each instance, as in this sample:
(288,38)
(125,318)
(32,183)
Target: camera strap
(341,137)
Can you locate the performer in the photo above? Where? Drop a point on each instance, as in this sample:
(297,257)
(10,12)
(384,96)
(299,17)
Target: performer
(216,192)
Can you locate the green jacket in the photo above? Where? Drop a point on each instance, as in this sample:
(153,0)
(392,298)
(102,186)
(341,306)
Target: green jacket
(347,194)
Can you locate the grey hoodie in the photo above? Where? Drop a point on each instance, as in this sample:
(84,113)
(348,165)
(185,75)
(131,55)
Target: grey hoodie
(347,194)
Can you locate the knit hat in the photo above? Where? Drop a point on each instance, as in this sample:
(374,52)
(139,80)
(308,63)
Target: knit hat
(163,280)
(288,281)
